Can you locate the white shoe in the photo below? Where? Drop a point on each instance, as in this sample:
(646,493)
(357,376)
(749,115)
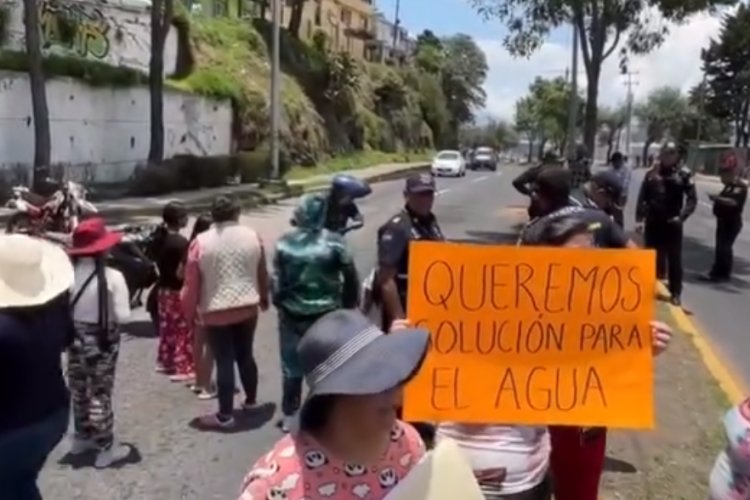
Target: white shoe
(113,454)
(80,446)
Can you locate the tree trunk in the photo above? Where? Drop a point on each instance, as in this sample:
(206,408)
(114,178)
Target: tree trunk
(161,19)
(42,139)
(295,18)
(646,147)
(610,145)
(591,110)
(531,150)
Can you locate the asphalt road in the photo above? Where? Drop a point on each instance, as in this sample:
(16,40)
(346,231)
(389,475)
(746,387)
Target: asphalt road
(721,311)
(176,462)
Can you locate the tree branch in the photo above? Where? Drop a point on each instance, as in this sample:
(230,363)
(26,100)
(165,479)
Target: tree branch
(612,48)
(580,24)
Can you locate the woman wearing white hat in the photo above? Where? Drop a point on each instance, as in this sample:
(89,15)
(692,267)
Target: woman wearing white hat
(35,328)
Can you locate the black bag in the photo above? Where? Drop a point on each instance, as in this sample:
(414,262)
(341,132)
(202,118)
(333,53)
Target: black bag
(139,272)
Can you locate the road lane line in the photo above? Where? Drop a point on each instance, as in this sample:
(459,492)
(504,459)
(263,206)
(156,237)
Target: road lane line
(443,191)
(719,369)
(479,179)
(706,204)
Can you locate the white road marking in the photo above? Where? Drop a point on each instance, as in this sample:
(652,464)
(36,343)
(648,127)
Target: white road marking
(443,191)
(706,204)
(479,179)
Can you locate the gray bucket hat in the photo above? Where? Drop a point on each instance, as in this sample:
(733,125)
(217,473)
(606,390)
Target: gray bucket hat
(344,353)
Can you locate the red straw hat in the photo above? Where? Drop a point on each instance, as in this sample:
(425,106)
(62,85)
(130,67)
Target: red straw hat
(91,237)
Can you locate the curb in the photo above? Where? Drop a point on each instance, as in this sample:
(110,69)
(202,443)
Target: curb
(728,382)
(251,198)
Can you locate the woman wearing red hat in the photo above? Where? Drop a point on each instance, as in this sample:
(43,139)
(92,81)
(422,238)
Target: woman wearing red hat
(100,303)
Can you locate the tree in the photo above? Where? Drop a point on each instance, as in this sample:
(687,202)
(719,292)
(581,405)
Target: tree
(40,110)
(663,115)
(726,63)
(600,25)
(162,12)
(700,125)
(611,121)
(527,122)
(543,113)
(498,135)
(463,74)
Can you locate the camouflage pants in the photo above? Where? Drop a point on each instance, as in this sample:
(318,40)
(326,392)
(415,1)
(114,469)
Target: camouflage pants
(91,377)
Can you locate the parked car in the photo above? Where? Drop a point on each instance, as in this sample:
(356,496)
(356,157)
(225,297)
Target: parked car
(484,158)
(448,163)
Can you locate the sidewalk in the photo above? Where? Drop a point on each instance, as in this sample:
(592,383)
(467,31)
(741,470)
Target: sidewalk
(674,460)
(249,194)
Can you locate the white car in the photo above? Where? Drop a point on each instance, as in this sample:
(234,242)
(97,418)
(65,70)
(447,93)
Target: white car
(449,163)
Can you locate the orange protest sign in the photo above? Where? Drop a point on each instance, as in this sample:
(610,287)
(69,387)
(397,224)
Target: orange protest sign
(532,335)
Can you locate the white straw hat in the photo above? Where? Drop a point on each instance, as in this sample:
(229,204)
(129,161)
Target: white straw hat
(32,271)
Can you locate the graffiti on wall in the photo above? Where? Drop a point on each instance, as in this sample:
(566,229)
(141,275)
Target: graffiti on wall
(75,26)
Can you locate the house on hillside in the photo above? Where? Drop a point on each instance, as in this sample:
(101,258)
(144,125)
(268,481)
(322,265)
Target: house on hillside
(346,24)
(391,42)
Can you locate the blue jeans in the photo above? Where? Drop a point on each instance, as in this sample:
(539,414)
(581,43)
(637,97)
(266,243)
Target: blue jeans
(23,453)
(234,344)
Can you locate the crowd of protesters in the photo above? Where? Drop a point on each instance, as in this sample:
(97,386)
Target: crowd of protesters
(344,439)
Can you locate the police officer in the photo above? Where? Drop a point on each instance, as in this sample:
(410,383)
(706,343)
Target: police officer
(591,205)
(602,191)
(526,183)
(666,199)
(728,207)
(414,222)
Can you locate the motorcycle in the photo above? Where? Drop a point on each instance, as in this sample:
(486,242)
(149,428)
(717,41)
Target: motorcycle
(134,258)
(37,214)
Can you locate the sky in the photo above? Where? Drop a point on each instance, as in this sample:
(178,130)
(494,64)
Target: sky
(676,63)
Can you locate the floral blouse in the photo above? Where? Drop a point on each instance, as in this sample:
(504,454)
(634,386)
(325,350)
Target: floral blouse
(297,468)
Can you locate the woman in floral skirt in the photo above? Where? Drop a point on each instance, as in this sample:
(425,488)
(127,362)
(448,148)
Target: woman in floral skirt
(175,355)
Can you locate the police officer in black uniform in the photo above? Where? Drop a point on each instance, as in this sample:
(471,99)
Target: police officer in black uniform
(556,200)
(526,183)
(414,222)
(665,201)
(728,207)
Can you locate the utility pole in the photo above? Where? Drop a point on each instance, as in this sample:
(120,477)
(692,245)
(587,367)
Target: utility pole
(276,5)
(701,109)
(629,83)
(396,24)
(573,106)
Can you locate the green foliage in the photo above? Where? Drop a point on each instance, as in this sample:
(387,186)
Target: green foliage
(543,113)
(499,135)
(601,25)
(663,114)
(94,73)
(726,62)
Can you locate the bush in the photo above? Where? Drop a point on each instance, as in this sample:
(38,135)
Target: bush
(191,173)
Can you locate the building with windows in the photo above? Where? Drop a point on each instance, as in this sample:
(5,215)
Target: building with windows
(391,42)
(348,25)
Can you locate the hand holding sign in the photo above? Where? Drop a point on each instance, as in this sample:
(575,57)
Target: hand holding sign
(532,335)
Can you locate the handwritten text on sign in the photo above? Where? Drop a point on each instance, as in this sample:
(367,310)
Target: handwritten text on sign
(530,335)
